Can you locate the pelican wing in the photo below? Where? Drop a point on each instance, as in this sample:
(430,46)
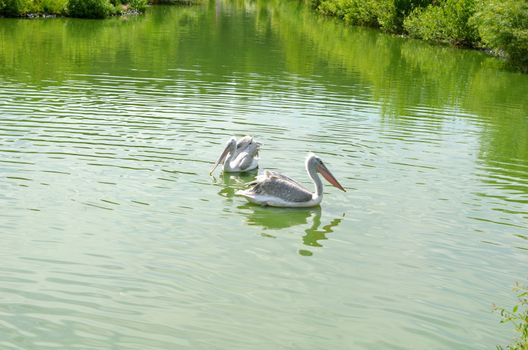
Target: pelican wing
(244,159)
(280,186)
(269,173)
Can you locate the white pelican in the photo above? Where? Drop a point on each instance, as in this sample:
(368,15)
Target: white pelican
(278,190)
(239,156)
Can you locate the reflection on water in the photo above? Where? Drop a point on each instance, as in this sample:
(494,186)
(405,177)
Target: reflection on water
(314,235)
(232,182)
(271,218)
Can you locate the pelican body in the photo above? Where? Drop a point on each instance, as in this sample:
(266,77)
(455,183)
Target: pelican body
(239,156)
(277,190)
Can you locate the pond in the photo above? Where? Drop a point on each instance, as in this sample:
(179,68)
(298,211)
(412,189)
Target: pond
(114,236)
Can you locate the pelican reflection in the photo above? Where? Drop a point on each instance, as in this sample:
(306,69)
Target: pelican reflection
(271,218)
(314,234)
(232,182)
(278,218)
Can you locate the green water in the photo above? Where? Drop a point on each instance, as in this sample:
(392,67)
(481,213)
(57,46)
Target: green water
(114,236)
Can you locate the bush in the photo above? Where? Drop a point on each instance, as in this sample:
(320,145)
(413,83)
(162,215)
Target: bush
(391,13)
(503,27)
(51,6)
(138,5)
(14,8)
(387,14)
(314,4)
(447,21)
(356,12)
(518,316)
(90,8)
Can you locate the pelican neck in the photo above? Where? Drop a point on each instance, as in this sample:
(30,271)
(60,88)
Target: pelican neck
(312,172)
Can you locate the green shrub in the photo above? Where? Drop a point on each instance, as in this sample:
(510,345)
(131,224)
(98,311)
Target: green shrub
(52,6)
(391,13)
(356,12)
(332,8)
(90,8)
(121,6)
(518,316)
(138,5)
(361,13)
(447,21)
(14,8)
(503,27)
(387,14)
(314,4)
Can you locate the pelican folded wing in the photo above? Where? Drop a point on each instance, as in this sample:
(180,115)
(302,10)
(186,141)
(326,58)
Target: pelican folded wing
(282,187)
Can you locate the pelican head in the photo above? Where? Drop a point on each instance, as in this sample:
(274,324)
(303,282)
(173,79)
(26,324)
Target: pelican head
(229,148)
(314,163)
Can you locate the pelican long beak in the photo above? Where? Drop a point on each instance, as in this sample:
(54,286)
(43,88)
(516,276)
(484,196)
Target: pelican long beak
(329,177)
(220,159)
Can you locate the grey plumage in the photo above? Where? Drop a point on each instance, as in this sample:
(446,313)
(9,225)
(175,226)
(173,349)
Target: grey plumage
(239,156)
(247,154)
(279,186)
(275,189)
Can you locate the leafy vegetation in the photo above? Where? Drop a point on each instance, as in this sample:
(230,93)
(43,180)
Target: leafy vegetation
(138,5)
(518,316)
(386,14)
(50,6)
(499,25)
(503,27)
(14,7)
(355,12)
(73,8)
(447,21)
(89,8)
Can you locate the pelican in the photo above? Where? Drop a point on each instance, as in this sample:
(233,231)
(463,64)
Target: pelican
(239,156)
(277,190)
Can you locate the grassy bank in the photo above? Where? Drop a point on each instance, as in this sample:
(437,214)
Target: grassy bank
(498,25)
(76,8)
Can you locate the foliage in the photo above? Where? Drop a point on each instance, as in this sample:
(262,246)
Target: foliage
(518,316)
(173,2)
(503,26)
(355,12)
(79,8)
(14,7)
(90,8)
(387,14)
(314,4)
(51,6)
(74,8)
(139,5)
(446,21)
(391,13)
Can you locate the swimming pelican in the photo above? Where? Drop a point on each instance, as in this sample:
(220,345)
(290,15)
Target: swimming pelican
(239,156)
(277,190)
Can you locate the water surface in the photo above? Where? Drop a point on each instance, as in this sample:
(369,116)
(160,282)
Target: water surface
(114,236)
